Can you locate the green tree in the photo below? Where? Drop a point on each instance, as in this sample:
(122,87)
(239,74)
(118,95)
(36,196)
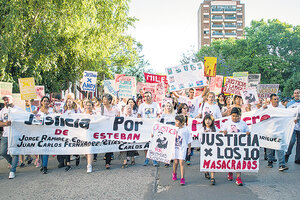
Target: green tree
(55,41)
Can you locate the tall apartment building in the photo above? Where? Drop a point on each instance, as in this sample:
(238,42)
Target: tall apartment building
(220,19)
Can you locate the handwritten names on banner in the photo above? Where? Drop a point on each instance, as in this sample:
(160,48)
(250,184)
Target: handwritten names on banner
(127,86)
(210,66)
(156,89)
(265,90)
(186,76)
(233,152)
(234,86)
(27,88)
(89,81)
(162,144)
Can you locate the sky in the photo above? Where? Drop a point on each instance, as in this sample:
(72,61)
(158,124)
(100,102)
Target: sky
(167,29)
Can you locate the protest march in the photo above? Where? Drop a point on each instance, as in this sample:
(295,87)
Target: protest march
(166,118)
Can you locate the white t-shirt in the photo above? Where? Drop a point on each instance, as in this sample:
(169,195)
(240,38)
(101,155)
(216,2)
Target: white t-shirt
(279,106)
(4,117)
(213,110)
(294,104)
(235,127)
(112,113)
(167,119)
(183,138)
(193,104)
(149,110)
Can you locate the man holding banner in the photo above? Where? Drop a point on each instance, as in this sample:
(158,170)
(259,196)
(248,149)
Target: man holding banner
(5,123)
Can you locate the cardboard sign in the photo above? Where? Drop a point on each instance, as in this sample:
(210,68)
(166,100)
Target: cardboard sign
(234,86)
(153,78)
(27,88)
(241,76)
(127,86)
(18,101)
(109,87)
(40,91)
(253,80)
(117,77)
(233,152)
(89,81)
(162,145)
(186,76)
(210,66)
(265,90)
(5,89)
(156,89)
(249,96)
(215,84)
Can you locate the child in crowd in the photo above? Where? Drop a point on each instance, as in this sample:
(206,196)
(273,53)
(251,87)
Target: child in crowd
(183,140)
(235,125)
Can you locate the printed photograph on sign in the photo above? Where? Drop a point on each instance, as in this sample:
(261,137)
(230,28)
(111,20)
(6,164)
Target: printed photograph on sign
(249,96)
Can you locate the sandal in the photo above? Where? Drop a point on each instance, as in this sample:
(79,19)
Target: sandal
(107,166)
(124,166)
(212,181)
(206,174)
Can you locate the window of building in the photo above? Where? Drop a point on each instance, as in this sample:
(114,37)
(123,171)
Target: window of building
(206,32)
(206,16)
(240,16)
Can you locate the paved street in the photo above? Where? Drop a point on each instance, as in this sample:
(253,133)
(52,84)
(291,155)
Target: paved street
(138,182)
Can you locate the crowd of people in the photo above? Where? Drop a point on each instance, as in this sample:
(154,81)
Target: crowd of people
(207,107)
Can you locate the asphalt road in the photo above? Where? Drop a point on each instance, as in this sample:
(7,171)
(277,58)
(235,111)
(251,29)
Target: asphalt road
(139,182)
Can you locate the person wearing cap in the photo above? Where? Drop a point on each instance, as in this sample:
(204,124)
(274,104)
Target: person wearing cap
(5,123)
(235,125)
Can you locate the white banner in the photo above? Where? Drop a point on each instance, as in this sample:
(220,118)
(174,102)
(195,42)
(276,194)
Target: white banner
(162,145)
(74,134)
(233,152)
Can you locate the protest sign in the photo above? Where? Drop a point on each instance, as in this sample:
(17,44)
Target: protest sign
(241,76)
(156,89)
(153,78)
(253,80)
(186,76)
(215,84)
(210,66)
(127,86)
(109,87)
(5,89)
(18,101)
(224,81)
(117,77)
(64,134)
(40,91)
(233,152)
(162,145)
(265,90)
(27,88)
(89,81)
(249,96)
(234,86)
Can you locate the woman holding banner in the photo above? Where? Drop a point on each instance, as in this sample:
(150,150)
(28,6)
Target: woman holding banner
(108,110)
(209,108)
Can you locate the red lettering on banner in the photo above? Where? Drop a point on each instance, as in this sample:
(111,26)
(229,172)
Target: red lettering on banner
(238,165)
(206,164)
(233,164)
(136,137)
(57,132)
(254,119)
(129,136)
(264,117)
(123,136)
(64,132)
(244,165)
(218,164)
(254,164)
(116,136)
(247,119)
(96,135)
(109,135)
(213,165)
(223,164)
(102,136)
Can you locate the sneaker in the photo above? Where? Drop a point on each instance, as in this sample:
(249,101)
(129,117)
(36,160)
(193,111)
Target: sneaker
(239,181)
(45,170)
(212,181)
(11,175)
(29,161)
(155,163)
(146,162)
(283,167)
(270,164)
(38,164)
(188,162)
(89,169)
(230,176)
(61,165)
(182,181)
(206,175)
(286,158)
(167,165)
(174,176)
(22,165)
(68,168)
(297,161)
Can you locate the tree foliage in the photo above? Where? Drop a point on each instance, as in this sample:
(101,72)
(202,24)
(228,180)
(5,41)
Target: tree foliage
(55,41)
(270,48)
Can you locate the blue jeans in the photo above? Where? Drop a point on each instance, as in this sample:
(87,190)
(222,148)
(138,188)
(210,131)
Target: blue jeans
(13,160)
(44,160)
(295,136)
(280,156)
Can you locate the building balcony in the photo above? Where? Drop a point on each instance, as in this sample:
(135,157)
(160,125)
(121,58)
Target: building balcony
(216,10)
(217,18)
(229,10)
(217,26)
(228,19)
(230,26)
(217,34)
(230,34)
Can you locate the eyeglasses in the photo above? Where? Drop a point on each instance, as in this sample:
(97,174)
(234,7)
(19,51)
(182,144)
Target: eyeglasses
(185,108)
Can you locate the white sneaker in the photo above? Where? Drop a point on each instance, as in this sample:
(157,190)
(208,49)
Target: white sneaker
(89,169)
(11,175)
